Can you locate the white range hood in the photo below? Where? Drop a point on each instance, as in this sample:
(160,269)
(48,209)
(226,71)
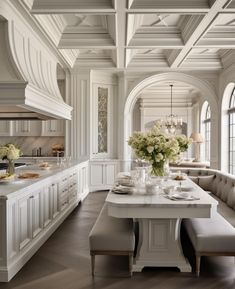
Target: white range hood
(28,77)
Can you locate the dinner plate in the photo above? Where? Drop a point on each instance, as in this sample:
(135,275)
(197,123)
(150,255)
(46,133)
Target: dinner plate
(181,197)
(184,189)
(122,190)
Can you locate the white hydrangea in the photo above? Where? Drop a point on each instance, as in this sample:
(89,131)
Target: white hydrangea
(9,152)
(157,147)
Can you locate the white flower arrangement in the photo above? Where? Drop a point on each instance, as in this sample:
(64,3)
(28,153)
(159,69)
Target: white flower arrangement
(9,152)
(157,147)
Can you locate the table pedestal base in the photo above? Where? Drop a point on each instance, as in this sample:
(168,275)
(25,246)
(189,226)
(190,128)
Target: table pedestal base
(159,245)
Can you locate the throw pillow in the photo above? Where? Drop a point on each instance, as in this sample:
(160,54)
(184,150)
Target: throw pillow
(194,179)
(205,182)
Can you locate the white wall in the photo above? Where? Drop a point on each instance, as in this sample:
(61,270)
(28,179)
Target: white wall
(212,87)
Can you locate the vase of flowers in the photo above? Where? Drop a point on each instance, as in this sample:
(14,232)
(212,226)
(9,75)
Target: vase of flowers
(158,148)
(10,153)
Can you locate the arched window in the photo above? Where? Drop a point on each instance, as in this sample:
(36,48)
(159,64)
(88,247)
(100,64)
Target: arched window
(231,112)
(206,130)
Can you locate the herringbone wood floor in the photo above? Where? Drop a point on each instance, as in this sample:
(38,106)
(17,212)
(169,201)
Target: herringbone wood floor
(63,262)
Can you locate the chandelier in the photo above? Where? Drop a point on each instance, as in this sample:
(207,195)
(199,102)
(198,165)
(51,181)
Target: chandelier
(172,121)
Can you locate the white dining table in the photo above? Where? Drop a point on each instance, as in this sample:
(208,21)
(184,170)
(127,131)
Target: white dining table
(159,221)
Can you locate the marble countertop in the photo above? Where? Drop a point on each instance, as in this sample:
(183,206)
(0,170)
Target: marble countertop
(8,188)
(140,197)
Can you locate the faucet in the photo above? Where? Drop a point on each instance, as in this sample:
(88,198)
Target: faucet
(58,155)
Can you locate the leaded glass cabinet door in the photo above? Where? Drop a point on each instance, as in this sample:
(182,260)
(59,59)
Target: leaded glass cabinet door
(102,121)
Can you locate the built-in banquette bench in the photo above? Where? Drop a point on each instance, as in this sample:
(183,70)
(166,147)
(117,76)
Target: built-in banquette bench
(111,236)
(214,236)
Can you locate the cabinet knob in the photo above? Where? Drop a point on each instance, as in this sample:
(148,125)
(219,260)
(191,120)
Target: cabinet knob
(31,197)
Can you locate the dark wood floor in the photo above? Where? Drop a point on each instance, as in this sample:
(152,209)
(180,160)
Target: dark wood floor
(63,262)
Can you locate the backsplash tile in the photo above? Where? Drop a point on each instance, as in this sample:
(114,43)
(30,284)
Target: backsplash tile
(27,144)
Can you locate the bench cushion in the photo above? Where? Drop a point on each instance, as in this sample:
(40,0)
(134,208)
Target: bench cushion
(225,211)
(111,234)
(211,234)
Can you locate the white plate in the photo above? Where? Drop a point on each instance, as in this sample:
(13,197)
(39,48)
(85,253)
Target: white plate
(122,190)
(180,196)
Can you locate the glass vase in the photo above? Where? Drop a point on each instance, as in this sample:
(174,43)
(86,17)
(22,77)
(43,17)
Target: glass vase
(161,168)
(10,167)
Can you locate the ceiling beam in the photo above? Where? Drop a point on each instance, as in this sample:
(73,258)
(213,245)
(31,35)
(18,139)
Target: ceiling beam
(201,29)
(121,33)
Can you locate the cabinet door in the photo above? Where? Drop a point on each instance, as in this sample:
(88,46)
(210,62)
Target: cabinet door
(104,133)
(26,128)
(53,127)
(25,223)
(12,226)
(84,181)
(37,212)
(73,186)
(46,207)
(110,174)
(64,192)
(5,128)
(54,194)
(96,174)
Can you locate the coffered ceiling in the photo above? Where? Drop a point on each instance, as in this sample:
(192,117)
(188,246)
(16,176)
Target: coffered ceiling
(140,34)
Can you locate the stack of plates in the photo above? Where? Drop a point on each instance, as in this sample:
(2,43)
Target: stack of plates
(122,190)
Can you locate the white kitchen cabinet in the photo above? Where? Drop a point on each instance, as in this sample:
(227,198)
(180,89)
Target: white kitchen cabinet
(53,127)
(26,128)
(103,102)
(5,128)
(37,212)
(11,208)
(54,200)
(64,192)
(30,215)
(83,188)
(25,220)
(103,174)
(47,218)
(73,185)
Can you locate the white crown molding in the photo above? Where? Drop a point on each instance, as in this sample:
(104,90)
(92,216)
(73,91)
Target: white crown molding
(71,6)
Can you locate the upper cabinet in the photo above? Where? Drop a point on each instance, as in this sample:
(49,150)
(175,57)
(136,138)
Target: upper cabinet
(5,128)
(26,128)
(53,127)
(103,121)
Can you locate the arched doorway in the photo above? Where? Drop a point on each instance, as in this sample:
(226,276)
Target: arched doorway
(205,89)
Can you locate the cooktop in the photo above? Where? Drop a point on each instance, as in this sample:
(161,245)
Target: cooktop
(3,166)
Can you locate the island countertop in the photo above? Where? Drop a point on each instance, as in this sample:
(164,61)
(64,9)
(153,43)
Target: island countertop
(9,188)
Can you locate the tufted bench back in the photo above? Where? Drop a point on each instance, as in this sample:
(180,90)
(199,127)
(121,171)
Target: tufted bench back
(220,184)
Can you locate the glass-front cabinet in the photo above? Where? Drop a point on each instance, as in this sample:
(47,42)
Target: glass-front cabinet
(103,132)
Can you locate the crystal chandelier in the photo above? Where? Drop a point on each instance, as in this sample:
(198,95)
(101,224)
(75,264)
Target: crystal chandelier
(172,121)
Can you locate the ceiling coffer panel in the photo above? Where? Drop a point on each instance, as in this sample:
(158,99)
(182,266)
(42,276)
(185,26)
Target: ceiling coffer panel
(28,77)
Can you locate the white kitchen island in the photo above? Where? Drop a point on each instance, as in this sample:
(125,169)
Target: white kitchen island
(159,223)
(32,209)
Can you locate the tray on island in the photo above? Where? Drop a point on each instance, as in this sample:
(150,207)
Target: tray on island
(29,175)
